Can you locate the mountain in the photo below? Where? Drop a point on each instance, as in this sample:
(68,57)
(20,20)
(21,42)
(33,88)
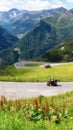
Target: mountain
(7,54)
(37,41)
(46,35)
(61,53)
(7,57)
(21,21)
(6,40)
(71,10)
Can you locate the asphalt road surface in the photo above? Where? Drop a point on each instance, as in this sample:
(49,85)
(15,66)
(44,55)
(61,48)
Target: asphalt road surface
(18,90)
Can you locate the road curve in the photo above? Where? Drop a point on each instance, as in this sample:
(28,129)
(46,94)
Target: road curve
(18,90)
(22,64)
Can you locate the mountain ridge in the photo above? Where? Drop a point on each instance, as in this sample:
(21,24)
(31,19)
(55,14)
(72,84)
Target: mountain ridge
(21,21)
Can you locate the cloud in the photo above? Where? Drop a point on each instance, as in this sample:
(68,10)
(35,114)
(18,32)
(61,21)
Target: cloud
(24,4)
(57,3)
(70,1)
(42,4)
(37,4)
(5,5)
(31,4)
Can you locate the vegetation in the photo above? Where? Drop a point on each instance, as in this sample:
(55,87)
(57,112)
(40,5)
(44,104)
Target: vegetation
(37,41)
(62,72)
(6,40)
(33,65)
(61,53)
(7,57)
(7,54)
(46,35)
(40,113)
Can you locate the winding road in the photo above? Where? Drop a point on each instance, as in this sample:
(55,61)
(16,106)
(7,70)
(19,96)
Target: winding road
(22,64)
(18,90)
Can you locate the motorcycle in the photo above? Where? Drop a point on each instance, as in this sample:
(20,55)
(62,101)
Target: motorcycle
(52,83)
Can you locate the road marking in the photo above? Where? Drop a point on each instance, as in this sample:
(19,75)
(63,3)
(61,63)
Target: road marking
(32,90)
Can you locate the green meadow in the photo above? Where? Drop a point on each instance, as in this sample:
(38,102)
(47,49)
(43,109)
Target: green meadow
(33,65)
(41,113)
(61,72)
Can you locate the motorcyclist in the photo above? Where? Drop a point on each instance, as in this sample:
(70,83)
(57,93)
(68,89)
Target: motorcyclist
(52,82)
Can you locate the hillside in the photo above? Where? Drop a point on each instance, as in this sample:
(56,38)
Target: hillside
(6,40)
(46,35)
(37,41)
(7,54)
(8,57)
(61,53)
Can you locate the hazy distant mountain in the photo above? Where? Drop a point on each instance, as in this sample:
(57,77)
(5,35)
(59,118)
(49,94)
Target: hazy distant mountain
(71,10)
(21,21)
(46,35)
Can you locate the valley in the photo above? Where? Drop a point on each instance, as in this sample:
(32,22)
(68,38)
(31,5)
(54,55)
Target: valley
(41,31)
(36,46)
(49,40)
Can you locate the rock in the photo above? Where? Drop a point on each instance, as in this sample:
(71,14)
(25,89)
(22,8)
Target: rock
(47,66)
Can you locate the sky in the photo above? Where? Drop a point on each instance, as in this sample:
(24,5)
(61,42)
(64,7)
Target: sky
(34,4)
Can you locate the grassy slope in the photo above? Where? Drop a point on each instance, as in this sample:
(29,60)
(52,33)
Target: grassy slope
(62,72)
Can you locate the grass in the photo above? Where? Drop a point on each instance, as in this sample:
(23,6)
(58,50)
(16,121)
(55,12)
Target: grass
(16,115)
(62,72)
(32,65)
